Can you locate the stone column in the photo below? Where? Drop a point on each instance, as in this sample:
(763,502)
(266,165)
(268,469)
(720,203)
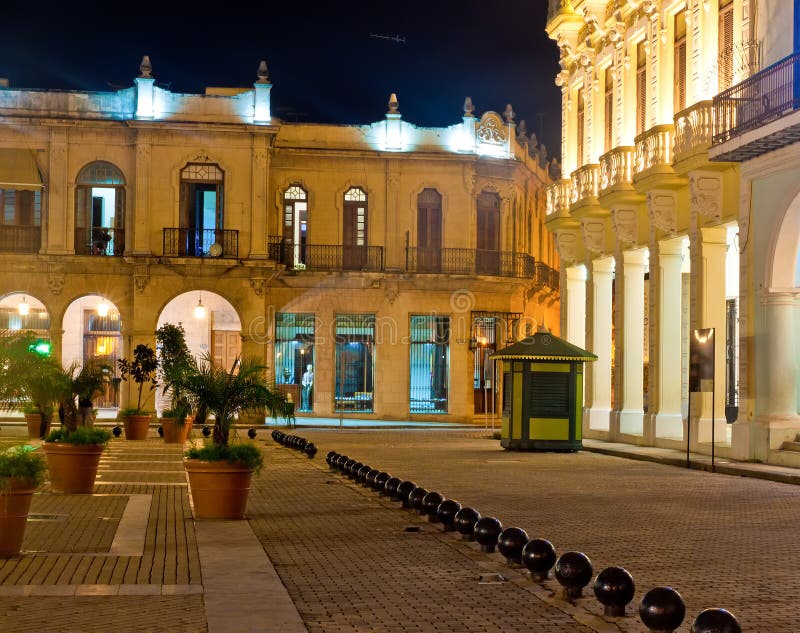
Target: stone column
(665,338)
(780,368)
(574,305)
(259,202)
(138,223)
(56,240)
(630,342)
(598,380)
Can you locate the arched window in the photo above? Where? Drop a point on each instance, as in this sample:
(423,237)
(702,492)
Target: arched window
(295,225)
(487,257)
(429,231)
(354,233)
(100,210)
(202,210)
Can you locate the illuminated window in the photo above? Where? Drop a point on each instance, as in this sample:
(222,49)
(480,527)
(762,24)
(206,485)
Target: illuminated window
(201,208)
(295,225)
(429,364)
(354,243)
(641,89)
(581,126)
(355,349)
(294,357)
(608,110)
(100,210)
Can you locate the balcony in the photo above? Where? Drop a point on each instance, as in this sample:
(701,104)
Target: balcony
(470,261)
(558,196)
(654,150)
(326,257)
(201,243)
(693,130)
(585,181)
(765,97)
(20,239)
(99,241)
(547,277)
(616,169)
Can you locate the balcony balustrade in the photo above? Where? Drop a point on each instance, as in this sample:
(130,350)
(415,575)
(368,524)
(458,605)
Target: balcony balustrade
(20,239)
(326,257)
(201,243)
(616,168)
(99,241)
(585,185)
(693,130)
(547,277)
(470,261)
(768,95)
(558,196)
(654,148)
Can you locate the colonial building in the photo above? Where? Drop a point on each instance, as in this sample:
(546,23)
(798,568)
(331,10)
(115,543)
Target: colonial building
(648,223)
(372,268)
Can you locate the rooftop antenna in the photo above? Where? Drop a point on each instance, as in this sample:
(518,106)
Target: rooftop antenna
(397,39)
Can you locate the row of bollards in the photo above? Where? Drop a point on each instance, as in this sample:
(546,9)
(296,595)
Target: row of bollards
(296,442)
(662,609)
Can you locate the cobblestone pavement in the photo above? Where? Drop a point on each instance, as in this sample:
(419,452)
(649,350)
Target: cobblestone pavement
(721,541)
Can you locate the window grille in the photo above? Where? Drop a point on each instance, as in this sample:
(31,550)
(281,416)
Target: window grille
(355,348)
(295,192)
(100,173)
(429,364)
(355,194)
(203,172)
(294,352)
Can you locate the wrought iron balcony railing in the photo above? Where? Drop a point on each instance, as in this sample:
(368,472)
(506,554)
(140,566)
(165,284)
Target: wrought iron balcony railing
(201,243)
(470,261)
(547,277)
(558,195)
(585,184)
(20,239)
(99,241)
(768,95)
(693,129)
(325,256)
(616,168)
(654,148)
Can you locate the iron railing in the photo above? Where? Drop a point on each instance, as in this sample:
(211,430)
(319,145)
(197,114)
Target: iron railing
(768,95)
(201,243)
(325,256)
(99,241)
(469,261)
(20,239)
(546,276)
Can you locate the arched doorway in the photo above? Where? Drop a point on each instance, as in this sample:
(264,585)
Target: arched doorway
(93,336)
(21,312)
(100,210)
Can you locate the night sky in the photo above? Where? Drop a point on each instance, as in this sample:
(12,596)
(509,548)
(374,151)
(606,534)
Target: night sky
(323,64)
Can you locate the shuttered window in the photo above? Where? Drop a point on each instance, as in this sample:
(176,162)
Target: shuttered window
(680,62)
(429,364)
(581,126)
(725,63)
(641,89)
(548,394)
(608,111)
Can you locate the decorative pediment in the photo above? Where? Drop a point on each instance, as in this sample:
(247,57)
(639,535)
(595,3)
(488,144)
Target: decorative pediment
(491,129)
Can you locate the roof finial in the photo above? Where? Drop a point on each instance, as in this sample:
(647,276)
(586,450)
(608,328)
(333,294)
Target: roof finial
(509,114)
(468,107)
(145,68)
(393,104)
(263,74)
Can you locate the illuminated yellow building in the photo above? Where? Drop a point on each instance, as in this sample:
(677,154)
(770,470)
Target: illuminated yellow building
(373,268)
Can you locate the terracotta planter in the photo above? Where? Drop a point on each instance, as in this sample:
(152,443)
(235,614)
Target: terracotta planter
(175,433)
(15,503)
(34,421)
(136,426)
(219,489)
(73,467)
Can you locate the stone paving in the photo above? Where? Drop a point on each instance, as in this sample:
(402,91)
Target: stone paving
(350,564)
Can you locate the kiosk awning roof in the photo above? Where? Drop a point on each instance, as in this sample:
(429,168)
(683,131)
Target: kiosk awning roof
(544,346)
(18,170)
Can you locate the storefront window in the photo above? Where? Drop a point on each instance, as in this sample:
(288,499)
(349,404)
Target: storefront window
(429,364)
(294,358)
(355,349)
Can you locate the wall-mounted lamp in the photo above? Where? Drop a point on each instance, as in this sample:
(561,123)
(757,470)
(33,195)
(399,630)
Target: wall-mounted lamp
(23,308)
(102,308)
(200,309)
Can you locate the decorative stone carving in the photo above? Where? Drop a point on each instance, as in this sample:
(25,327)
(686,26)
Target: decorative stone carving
(145,68)
(594,234)
(260,158)
(391,292)
(567,245)
(625,224)
(258,284)
(468,107)
(55,278)
(661,208)
(705,194)
(262,73)
(141,277)
(491,129)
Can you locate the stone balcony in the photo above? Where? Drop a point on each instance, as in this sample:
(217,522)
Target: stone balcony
(616,170)
(558,198)
(653,161)
(585,186)
(694,128)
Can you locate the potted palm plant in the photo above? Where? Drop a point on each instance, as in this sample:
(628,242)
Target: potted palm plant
(142,371)
(21,473)
(220,472)
(174,358)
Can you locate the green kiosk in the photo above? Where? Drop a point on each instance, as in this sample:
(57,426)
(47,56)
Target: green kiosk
(542,393)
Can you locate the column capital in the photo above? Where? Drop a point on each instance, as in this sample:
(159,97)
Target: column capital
(575,273)
(603,265)
(778,297)
(667,247)
(635,257)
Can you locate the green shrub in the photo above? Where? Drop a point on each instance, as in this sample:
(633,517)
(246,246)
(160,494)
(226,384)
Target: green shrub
(131,411)
(246,454)
(82,436)
(22,462)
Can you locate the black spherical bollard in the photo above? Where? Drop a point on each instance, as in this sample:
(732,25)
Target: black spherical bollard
(447,513)
(510,544)
(340,461)
(301,443)
(311,449)
(614,588)
(415,498)
(206,430)
(573,572)
(662,609)
(716,621)
(464,521)
(370,478)
(362,473)
(331,459)
(403,490)
(347,466)
(353,469)
(487,529)
(251,433)
(539,556)
(380,480)
(117,430)
(390,487)
(430,504)
(160,431)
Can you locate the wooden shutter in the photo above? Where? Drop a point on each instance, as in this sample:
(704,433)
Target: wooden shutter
(581,126)
(548,394)
(608,112)
(725,58)
(641,89)
(680,62)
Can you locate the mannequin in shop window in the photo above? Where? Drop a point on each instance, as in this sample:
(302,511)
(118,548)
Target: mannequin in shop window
(308,388)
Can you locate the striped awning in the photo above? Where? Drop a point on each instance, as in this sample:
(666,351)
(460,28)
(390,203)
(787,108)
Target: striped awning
(18,170)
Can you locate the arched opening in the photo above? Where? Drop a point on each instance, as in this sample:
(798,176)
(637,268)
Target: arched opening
(100,210)
(21,312)
(93,337)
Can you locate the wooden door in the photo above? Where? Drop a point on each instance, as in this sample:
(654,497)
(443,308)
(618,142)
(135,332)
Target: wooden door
(354,230)
(226,346)
(429,231)
(487,256)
